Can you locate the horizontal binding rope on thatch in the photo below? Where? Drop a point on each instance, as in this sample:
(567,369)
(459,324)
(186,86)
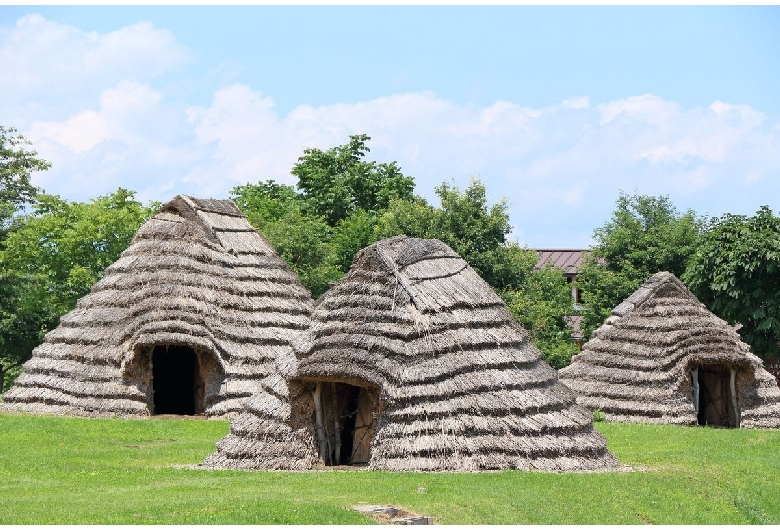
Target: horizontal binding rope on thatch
(637,366)
(195,275)
(168,264)
(460,329)
(476,381)
(455,382)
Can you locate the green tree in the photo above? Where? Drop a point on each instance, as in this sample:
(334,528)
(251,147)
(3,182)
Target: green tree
(465,221)
(414,218)
(351,234)
(319,228)
(302,239)
(53,257)
(22,322)
(645,235)
(542,306)
(735,271)
(346,203)
(17,164)
(336,182)
(477,231)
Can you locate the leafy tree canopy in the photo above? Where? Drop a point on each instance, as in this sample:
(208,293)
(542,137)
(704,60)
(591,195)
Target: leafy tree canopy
(16,166)
(53,257)
(645,235)
(542,306)
(17,163)
(469,225)
(301,238)
(735,271)
(339,181)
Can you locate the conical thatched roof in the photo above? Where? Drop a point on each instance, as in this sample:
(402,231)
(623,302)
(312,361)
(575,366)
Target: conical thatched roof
(196,281)
(646,363)
(421,358)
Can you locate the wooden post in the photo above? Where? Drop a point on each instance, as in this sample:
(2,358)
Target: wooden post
(321,439)
(337,434)
(695,379)
(361,446)
(733,384)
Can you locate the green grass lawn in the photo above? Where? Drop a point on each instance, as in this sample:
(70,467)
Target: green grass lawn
(82,471)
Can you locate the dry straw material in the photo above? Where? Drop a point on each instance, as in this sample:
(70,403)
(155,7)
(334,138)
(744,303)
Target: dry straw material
(193,315)
(412,362)
(663,357)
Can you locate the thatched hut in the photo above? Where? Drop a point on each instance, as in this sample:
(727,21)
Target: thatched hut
(412,362)
(188,320)
(663,357)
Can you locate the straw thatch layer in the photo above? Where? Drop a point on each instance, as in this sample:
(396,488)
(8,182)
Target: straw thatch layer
(638,364)
(195,275)
(445,378)
(271,433)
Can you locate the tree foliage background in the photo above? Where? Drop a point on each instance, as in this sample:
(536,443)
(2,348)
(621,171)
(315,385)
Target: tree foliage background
(735,271)
(52,251)
(645,235)
(51,257)
(17,163)
(345,202)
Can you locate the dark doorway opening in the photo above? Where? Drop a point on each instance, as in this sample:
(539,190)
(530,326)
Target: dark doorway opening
(717,401)
(344,417)
(349,398)
(175,380)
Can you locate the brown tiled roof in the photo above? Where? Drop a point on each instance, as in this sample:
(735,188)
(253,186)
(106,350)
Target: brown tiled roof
(567,260)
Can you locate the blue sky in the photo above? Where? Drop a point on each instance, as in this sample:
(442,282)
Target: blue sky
(554,108)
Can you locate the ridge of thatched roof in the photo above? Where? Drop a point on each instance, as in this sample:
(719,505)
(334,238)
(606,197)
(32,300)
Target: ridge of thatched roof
(460,386)
(196,274)
(636,365)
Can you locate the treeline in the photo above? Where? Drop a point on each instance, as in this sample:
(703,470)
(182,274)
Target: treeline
(343,203)
(731,263)
(52,251)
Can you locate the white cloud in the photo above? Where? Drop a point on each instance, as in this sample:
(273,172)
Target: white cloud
(94,104)
(645,108)
(80,132)
(565,159)
(131,138)
(642,141)
(126,113)
(708,136)
(46,64)
(582,102)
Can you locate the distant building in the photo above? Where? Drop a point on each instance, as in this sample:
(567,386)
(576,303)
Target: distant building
(568,261)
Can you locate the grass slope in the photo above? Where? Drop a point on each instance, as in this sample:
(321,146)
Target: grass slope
(83,471)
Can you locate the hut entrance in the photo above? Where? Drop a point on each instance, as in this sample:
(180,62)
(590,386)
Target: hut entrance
(176,383)
(715,395)
(344,422)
